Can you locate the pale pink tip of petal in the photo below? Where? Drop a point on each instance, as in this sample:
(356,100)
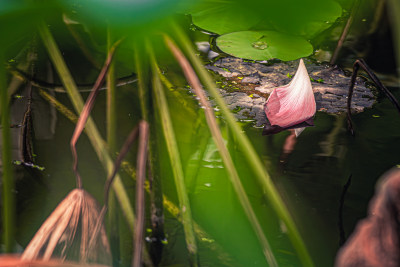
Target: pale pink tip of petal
(293,103)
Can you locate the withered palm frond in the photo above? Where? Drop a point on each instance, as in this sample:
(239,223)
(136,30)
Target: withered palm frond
(66,233)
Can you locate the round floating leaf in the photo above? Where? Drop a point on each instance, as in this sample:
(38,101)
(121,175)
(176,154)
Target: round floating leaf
(264,45)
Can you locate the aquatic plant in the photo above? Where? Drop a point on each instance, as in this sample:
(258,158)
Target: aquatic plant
(143,51)
(263,30)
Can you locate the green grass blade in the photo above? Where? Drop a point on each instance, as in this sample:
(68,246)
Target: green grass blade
(168,205)
(176,165)
(91,129)
(8,211)
(226,157)
(248,150)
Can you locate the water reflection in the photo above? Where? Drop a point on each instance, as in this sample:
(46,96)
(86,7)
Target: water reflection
(309,171)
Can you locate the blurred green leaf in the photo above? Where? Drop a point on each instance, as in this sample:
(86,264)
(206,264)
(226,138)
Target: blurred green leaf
(306,18)
(223,19)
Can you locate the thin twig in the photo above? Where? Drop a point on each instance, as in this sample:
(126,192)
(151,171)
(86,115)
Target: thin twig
(361,63)
(342,234)
(143,126)
(124,150)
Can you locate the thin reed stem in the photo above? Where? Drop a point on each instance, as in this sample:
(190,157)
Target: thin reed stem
(111,125)
(248,151)
(219,141)
(8,210)
(140,201)
(167,204)
(175,160)
(155,190)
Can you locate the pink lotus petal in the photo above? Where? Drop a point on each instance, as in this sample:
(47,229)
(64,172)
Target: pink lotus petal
(292,104)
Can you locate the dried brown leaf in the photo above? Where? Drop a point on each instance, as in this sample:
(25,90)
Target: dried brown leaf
(67,231)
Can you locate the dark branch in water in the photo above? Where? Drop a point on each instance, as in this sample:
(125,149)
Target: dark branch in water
(361,63)
(58,88)
(342,234)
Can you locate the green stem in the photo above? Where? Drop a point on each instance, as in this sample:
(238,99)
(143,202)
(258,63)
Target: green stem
(175,160)
(168,205)
(91,129)
(141,68)
(7,176)
(111,114)
(248,150)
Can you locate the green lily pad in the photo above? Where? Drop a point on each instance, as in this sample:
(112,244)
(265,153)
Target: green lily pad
(264,45)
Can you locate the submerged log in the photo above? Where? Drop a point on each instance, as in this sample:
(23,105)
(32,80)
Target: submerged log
(247,85)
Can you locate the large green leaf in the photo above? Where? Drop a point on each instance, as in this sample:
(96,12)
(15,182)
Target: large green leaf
(306,17)
(264,45)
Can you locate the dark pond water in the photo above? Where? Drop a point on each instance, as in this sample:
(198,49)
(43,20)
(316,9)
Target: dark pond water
(310,179)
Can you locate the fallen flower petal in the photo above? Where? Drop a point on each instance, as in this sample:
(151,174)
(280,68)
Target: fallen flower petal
(291,106)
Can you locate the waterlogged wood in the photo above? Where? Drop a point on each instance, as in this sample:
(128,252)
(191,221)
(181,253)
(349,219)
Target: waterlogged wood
(219,141)
(67,231)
